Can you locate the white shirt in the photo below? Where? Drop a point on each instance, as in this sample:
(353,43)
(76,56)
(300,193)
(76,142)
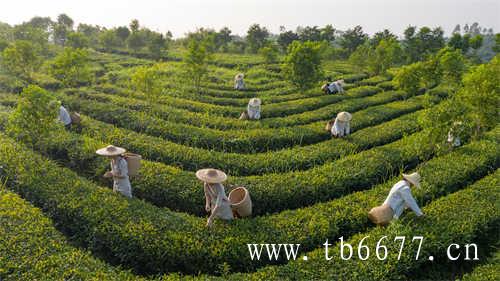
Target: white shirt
(253,112)
(122,185)
(335,86)
(64,116)
(340,128)
(217,196)
(455,141)
(400,198)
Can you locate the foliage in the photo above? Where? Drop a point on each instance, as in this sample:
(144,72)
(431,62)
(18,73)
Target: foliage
(21,58)
(270,53)
(419,45)
(408,77)
(256,37)
(77,40)
(35,116)
(352,38)
(469,112)
(302,64)
(196,61)
(72,67)
(109,40)
(147,80)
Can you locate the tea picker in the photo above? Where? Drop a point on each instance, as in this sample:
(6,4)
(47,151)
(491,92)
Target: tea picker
(334,87)
(217,203)
(123,165)
(253,110)
(454,134)
(399,198)
(239,84)
(341,127)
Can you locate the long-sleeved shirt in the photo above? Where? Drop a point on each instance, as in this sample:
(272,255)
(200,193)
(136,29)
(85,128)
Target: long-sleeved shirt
(64,116)
(239,84)
(121,182)
(253,112)
(217,197)
(340,128)
(400,198)
(335,87)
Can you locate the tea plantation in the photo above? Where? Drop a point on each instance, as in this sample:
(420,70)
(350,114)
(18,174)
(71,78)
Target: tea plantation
(60,219)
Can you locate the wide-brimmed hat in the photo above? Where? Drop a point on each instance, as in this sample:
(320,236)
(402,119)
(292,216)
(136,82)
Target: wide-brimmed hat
(111,150)
(240,76)
(413,178)
(344,116)
(211,175)
(254,102)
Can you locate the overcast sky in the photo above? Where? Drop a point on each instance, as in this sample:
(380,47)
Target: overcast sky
(181,16)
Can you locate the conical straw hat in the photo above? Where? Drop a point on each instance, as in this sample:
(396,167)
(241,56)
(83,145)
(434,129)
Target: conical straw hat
(111,150)
(413,178)
(254,102)
(211,175)
(344,116)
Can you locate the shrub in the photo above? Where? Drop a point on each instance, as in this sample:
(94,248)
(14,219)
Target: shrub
(72,68)
(302,64)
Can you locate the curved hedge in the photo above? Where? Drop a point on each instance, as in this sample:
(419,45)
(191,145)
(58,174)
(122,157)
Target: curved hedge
(155,240)
(446,222)
(248,141)
(487,272)
(32,249)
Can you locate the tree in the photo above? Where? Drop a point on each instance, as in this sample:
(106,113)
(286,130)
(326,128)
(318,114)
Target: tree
(270,53)
(452,65)
(222,39)
(408,77)
(196,61)
(72,67)
(496,47)
(257,37)
(122,32)
(382,35)
(35,116)
(91,32)
(328,33)
(26,32)
(134,25)
(309,33)
(62,28)
(361,56)
(109,40)
(136,41)
(147,80)
(302,64)
(476,42)
(352,38)
(474,107)
(157,45)
(387,54)
(78,40)
(286,38)
(21,58)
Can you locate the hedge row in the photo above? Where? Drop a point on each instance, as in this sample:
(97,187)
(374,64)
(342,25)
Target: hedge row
(136,234)
(296,158)
(268,110)
(32,249)
(487,272)
(174,114)
(247,141)
(179,190)
(467,216)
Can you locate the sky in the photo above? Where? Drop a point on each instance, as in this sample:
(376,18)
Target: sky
(181,16)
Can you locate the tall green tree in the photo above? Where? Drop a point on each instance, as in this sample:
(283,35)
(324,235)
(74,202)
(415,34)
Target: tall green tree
(146,79)
(196,62)
(109,40)
(78,40)
(35,116)
(62,28)
(72,67)
(387,54)
(21,58)
(285,38)
(352,38)
(302,64)
(257,37)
